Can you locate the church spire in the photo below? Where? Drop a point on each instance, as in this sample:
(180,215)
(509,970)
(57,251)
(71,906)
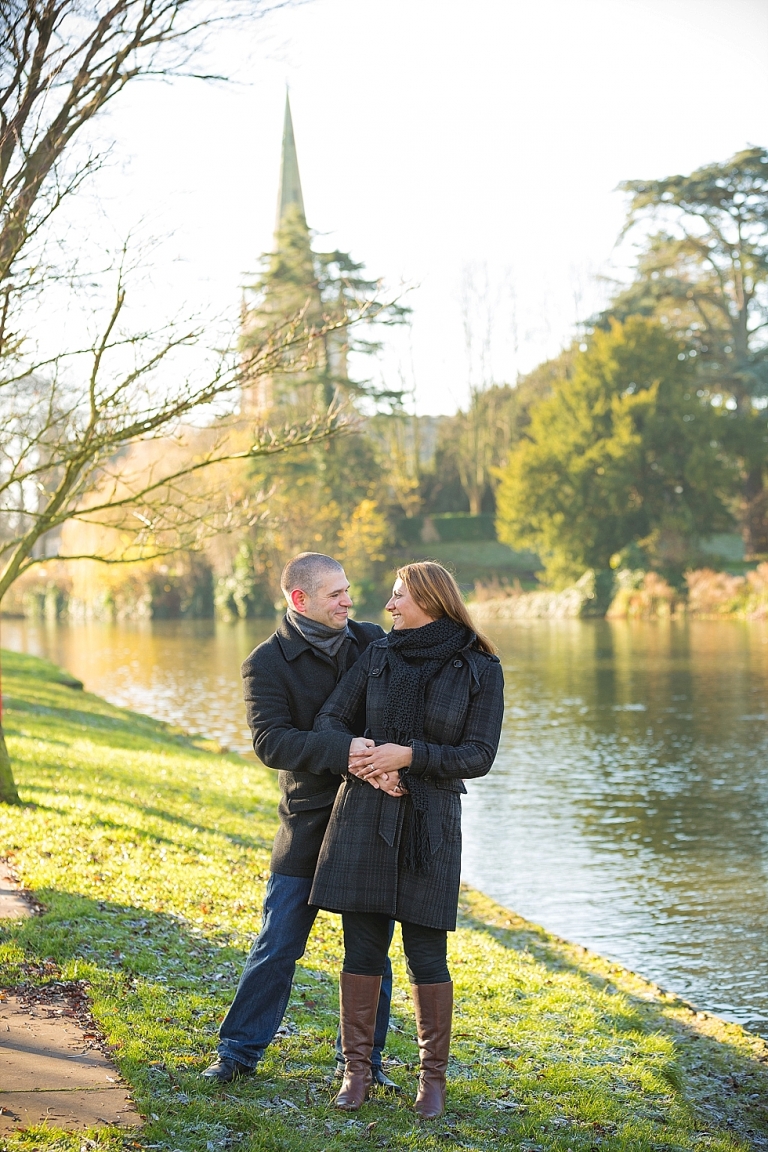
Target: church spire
(290,182)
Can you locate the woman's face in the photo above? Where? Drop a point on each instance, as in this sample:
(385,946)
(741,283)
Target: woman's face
(406,613)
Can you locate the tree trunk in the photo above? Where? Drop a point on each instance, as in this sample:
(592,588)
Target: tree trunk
(755,514)
(8,793)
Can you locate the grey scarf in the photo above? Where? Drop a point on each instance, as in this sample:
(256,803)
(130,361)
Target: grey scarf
(321,636)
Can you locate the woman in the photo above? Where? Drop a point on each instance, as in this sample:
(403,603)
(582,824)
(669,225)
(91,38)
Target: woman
(432,690)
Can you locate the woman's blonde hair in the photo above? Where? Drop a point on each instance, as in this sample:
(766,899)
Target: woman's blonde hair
(437,593)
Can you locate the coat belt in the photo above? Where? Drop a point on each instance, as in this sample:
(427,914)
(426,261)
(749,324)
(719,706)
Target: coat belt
(389,818)
(389,822)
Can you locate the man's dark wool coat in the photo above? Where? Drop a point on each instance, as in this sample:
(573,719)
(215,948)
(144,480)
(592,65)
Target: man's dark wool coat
(285,683)
(360,868)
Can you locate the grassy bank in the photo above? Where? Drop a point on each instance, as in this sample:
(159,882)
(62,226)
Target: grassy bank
(148,851)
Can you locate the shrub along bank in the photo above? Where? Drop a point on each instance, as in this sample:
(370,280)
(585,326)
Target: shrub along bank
(148,851)
(633,593)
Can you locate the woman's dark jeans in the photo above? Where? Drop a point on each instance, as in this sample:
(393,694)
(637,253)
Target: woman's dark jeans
(366,944)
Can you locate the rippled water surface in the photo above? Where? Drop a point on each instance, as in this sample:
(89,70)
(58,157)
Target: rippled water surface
(628,807)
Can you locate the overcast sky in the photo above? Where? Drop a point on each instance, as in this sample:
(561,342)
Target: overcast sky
(436,136)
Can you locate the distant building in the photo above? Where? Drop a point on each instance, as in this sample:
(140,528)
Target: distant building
(291,289)
(289,195)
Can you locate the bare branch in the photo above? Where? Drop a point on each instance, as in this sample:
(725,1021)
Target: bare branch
(61,63)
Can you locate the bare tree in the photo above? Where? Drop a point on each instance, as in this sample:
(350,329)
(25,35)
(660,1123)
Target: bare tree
(61,63)
(71,428)
(67,435)
(485,308)
(66,429)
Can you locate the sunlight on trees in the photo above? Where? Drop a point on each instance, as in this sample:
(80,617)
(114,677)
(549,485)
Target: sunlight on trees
(623,451)
(704,275)
(143,472)
(65,415)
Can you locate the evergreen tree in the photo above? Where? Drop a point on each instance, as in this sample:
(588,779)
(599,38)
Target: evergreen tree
(624,451)
(704,276)
(316,295)
(316,496)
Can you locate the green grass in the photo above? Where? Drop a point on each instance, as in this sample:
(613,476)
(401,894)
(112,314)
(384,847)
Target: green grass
(477,560)
(149,852)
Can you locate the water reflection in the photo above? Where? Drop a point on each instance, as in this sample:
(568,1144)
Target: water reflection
(627,809)
(186,672)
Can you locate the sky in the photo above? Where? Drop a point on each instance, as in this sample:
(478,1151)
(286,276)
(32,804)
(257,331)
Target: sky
(462,151)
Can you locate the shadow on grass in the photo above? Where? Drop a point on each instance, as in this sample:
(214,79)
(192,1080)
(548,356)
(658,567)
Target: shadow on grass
(159,988)
(44,707)
(194,827)
(723,1072)
(139,734)
(524,1073)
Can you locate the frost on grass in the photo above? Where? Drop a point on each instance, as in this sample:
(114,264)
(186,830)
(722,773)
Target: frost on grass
(150,855)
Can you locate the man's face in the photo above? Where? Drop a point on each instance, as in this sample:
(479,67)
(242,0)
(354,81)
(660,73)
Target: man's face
(330,604)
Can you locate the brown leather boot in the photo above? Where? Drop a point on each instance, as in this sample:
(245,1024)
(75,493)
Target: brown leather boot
(434,1010)
(358,1002)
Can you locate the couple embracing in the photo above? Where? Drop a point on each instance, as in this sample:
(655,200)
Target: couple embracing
(372,734)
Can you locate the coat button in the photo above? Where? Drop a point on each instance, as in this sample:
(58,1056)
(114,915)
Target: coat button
(458,663)
(375,671)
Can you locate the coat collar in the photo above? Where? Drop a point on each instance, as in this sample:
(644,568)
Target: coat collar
(382,642)
(293,643)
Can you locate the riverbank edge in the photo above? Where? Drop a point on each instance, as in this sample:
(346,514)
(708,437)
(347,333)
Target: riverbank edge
(720,1086)
(708,594)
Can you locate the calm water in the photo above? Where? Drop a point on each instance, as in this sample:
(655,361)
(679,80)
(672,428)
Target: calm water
(628,808)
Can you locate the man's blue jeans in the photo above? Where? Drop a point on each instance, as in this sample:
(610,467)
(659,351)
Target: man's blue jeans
(265,986)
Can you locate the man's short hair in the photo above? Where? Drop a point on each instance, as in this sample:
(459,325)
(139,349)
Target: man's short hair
(307,572)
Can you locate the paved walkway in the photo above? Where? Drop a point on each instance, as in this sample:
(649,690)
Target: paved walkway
(12,904)
(51,1067)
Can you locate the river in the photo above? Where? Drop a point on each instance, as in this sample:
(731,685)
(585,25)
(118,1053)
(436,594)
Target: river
(628,806)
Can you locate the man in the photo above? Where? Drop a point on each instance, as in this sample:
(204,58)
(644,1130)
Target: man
(286,680)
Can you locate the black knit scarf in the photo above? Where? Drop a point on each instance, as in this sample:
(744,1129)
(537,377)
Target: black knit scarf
(415,655)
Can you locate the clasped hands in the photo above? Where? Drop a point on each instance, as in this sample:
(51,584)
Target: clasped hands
(379,766)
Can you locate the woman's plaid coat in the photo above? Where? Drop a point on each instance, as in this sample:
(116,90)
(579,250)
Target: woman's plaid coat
(360,864)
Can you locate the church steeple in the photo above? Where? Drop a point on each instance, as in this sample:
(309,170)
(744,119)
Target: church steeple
(290,182)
